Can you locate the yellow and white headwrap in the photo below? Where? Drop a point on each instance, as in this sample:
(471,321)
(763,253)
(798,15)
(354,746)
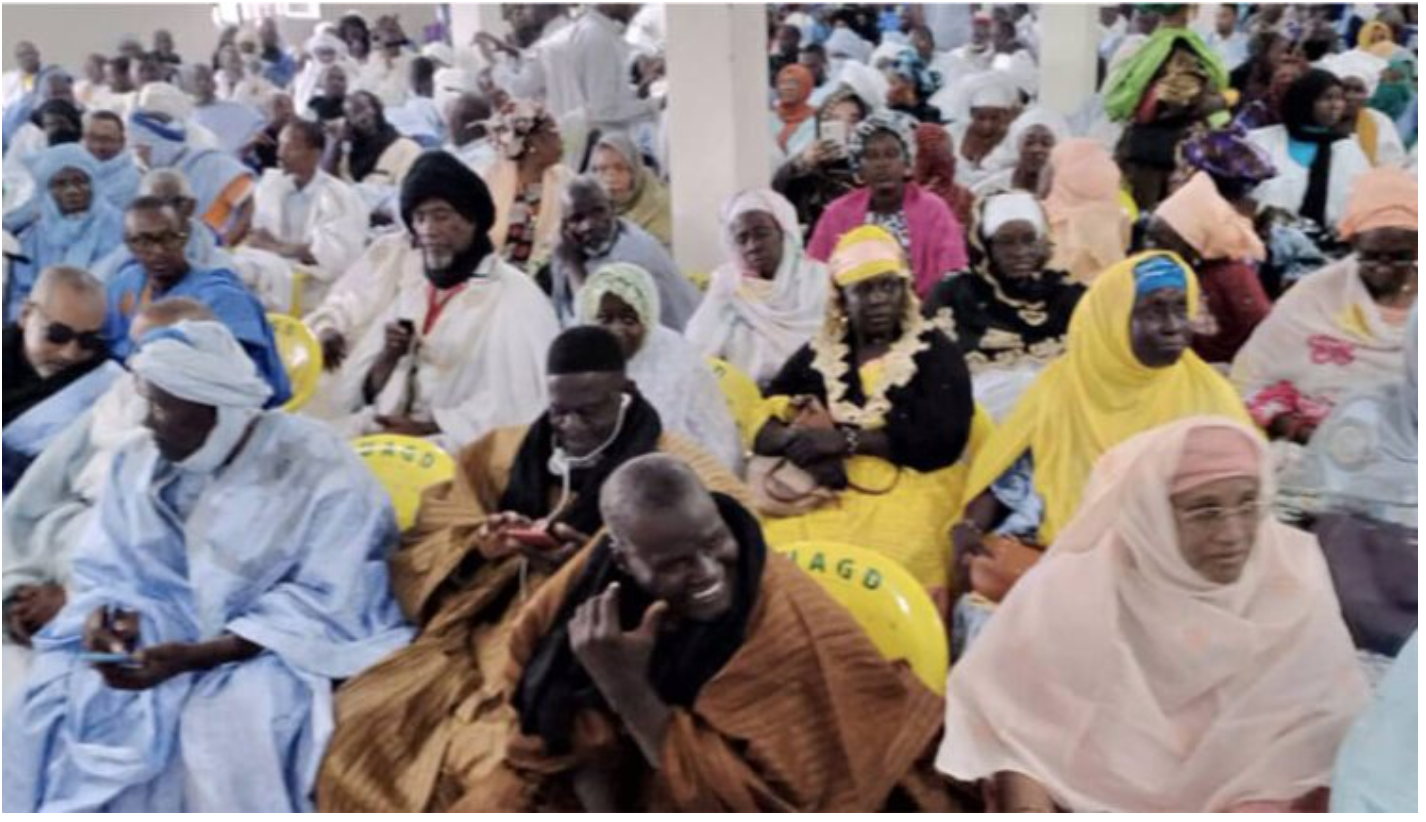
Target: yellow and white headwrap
(865,252)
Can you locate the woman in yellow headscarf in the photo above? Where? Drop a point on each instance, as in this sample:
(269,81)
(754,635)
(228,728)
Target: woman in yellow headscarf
(870,425)
(1128,368)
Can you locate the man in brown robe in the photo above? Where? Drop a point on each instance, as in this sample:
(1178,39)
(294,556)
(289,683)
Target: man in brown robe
(430,722)
(677,665)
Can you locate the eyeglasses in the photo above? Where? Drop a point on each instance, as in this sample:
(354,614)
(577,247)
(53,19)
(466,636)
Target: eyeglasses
(1216,516)
(57,333)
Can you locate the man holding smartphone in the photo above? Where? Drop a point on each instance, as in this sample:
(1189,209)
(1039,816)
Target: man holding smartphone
(524,499)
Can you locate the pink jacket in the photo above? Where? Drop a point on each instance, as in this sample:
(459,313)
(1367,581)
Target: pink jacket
(938,240)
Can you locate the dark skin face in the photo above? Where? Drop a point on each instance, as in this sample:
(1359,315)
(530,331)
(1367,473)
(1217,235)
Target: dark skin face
(621,320)
(205,89)
(758,239)
(295,157)
(1158,327)
(1327,109)
(156,240)
(1217,525)
(788,39)
(334,83)
(816,62)
(685,556)
(442,232)
(875,306)
(361,114)
(923,42)
(72,191)
(884,168)
(117,78)
(179,427)
(990,123)
(1017,251)
(588,218)
(55,125)
(1035,148)
(584,409)
(1386,262)
(81,313)
(1354,96)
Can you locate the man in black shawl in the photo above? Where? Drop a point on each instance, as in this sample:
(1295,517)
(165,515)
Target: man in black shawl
(428,724)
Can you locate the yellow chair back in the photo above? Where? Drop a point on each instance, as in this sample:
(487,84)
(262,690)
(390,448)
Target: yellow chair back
(743,396)
(890,605)
(405,466)
(301,357)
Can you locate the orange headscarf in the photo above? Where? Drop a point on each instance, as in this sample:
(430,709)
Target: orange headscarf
(1381,198)
(794,114)
(1206,221)
(1088,226)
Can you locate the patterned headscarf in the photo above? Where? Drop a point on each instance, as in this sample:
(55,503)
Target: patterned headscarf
(901,126)
(626,281)
(1227,155)
(511,127)
(909,65)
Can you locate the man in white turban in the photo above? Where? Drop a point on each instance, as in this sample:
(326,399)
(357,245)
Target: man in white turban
(236,570)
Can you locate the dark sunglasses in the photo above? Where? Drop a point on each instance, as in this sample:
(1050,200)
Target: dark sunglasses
(57,333)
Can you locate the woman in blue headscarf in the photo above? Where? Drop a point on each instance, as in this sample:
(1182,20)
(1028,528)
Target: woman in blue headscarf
(74,228)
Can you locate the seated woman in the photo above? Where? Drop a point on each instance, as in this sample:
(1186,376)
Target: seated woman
(769,301)
(991,104)
(1171,84)
(527,184)
(1317,161)
(793,121)
(1176,650)
(912,83)
(638,195)
(669,372)
(1009,312)
(877,413)
(1024,156)
(1223,249)
(75,227)
(1375,132)
(822,172)
(1089,229)
(373,156)
(935,170)
(1340,329)
(883,152)
(1127,368)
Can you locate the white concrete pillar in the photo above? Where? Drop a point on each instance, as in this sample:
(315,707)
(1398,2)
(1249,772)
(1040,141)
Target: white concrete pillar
(1069,46)
(717,120)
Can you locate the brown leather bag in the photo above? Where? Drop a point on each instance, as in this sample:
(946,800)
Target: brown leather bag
(779,487)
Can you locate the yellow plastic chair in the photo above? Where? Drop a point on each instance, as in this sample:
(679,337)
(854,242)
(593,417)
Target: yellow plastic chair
(405,466)
(890,605)
(743,396)
(301,357)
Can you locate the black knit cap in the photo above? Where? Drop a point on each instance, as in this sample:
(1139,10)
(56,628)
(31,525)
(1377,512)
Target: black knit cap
(438,175)
(585,349)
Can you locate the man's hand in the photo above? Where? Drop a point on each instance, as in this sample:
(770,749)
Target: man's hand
(617,661)
(153,666)
(334,349)
(111,632)
(570,541)
(263,239)
(31,608)
(394,424)
(399,337)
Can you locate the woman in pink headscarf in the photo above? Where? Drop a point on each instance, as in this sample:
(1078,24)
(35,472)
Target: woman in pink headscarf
(1220,244)
(1175,650)
(1088,226)
(1340,329)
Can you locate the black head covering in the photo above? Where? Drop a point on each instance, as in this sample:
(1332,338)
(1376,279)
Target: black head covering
(585,349)
(555,686)
(1297,105)
(366,149)
(437,175)
(64,109)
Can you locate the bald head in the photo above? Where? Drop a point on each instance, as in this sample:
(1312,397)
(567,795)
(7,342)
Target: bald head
(63,320)
(670,537)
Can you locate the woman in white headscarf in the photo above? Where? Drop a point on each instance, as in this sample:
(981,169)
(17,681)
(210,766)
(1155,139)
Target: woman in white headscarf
(1175,650)
(770,299)
(669,372)
(1025,153)
(981,123)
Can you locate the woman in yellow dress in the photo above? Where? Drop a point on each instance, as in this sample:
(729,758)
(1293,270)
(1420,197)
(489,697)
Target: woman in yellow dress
(876,412)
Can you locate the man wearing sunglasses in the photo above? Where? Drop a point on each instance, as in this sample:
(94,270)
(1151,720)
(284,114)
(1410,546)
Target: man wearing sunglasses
(56,363)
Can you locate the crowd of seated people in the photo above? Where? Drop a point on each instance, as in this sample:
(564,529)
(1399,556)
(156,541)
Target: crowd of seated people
(1126,394)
